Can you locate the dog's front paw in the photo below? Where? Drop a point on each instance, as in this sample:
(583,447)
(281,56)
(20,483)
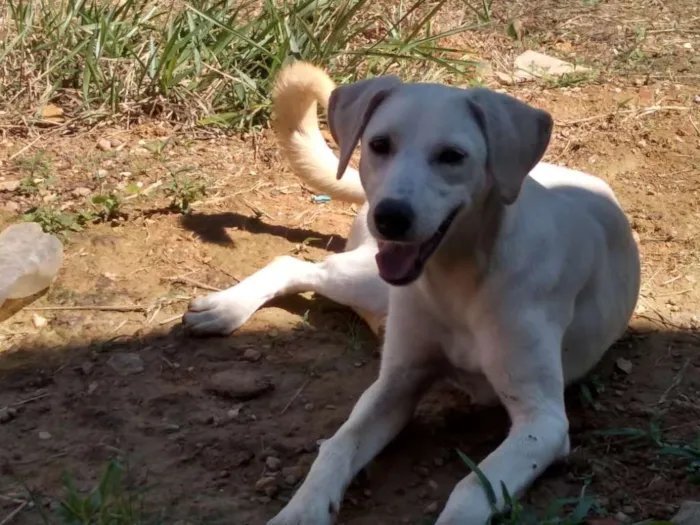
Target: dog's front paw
(316,510)
(219,313)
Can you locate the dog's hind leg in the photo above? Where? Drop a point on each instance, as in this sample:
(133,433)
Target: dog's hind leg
(349,278)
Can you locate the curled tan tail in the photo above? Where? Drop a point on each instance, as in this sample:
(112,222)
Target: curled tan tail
(298,89)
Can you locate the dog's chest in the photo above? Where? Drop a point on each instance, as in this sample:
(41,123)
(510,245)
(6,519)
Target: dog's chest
(460,349)
(454,307)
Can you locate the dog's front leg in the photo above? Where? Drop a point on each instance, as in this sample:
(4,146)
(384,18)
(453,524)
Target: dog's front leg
(524,366)
(382,411)
(349,278)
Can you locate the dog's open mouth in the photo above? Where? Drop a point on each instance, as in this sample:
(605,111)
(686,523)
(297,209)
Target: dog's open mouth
(402,263)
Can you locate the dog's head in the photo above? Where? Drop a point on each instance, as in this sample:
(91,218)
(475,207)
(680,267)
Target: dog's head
(428,153)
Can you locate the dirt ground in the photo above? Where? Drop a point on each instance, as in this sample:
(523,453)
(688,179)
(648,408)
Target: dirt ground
(72,401)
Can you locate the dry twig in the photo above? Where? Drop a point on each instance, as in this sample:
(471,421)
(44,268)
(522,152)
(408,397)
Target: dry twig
(98,308)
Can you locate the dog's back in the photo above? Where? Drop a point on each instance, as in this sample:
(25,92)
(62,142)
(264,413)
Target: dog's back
(598,231)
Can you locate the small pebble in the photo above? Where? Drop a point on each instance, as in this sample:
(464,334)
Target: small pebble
(292,475)
(273,463)
(264,483)
(104,144)
(43,435)
(432,508)
(309,407)
(234,412)
(251,355)
(423,471)
(624,365)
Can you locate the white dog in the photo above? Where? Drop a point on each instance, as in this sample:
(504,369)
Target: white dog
(509,275)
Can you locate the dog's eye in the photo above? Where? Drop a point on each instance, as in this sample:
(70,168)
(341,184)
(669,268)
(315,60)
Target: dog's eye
(450,156)
(380,145)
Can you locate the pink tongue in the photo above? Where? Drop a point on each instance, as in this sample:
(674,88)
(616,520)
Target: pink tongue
(397,261)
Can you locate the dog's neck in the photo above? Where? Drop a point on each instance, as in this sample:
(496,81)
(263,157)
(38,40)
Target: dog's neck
(471,240)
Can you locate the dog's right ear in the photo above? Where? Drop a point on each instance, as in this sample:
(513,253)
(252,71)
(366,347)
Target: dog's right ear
(349,109)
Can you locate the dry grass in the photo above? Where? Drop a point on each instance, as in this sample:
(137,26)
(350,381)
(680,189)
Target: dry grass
(206,62)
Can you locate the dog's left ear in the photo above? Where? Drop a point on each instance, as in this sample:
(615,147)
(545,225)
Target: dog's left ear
(517,135)
(349,109)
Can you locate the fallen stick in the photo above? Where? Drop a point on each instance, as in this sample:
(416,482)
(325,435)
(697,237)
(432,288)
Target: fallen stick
(87,308)
(296,394)
(198,284)
(14,513)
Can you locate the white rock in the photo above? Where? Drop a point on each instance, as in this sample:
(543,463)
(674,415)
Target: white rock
(532,64)
(38,321)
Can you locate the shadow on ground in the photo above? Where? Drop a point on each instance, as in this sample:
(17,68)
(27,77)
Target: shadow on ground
(212,228)
(197,418)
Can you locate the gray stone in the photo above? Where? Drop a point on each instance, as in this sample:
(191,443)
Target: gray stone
(126,364)
(688,514)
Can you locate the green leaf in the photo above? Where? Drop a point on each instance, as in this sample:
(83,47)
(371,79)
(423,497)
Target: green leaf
(488,489)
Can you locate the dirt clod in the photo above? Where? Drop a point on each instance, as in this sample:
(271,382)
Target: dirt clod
(239,384)
(81,191)
(264,483)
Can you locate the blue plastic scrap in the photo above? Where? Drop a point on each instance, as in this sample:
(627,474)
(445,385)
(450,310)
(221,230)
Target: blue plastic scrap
(319,199)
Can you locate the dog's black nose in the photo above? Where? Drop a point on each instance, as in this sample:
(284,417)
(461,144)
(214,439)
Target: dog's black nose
(393,218)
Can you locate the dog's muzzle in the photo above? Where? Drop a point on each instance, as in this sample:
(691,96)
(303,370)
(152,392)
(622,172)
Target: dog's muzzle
(401,263)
